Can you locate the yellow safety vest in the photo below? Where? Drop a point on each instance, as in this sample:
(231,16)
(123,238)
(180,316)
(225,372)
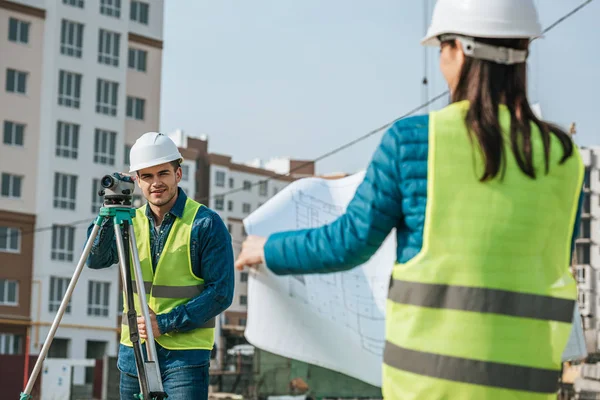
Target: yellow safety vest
(484,310)
(173,283)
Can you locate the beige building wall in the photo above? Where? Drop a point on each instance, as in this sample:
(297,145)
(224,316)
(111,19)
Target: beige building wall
(21,108)
(145,85)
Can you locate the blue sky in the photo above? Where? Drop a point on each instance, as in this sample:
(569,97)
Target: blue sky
(298,78)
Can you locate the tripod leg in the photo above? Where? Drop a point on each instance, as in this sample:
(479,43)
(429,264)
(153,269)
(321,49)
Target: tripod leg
(131,313)
(61,311)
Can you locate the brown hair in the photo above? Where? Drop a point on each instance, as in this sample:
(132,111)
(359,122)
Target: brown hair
(485,85)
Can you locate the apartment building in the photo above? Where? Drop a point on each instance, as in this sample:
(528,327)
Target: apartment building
(21,37)
(587,249)
(81,83)
(234,190)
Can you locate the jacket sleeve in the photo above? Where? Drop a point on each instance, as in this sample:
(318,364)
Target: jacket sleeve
(356,235)
(104,250)
(215,254)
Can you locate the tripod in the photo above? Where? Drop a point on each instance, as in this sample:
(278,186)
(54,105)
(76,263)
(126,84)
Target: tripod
(117,205)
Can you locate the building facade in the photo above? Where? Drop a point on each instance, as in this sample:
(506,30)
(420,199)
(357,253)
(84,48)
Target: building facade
(586,259)
(81,83)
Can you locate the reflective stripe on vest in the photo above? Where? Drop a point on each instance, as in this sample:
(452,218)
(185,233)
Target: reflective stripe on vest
(173,283)
(484,310)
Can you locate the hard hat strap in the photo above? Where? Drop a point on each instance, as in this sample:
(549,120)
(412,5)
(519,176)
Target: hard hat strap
(484,51)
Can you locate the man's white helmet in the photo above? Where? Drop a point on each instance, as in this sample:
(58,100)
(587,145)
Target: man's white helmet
(495,19)
(152,148)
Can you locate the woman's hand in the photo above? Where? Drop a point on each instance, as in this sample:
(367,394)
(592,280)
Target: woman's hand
(252,252)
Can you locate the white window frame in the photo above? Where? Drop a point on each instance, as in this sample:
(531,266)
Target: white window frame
(97,201)
(105,147)
(219,203)
(16,81)
(15,191)
(10,341)
(102,291)
(12,132)
(10,240)
(74,3)
(137,59)
(185,172)
(4,299)
(71,38)
(220,178)
(67,140)
(263,188)
(21,30)
(230,205)
(65,191)
(246,208)
(110,8)
(136,108)
(107,93)
(231,183)
(247,186)
(136,14)
(58,286)
(109,44)
(69,89)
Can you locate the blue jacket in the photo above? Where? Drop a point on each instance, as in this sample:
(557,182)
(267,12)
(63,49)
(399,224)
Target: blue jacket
(393,194)
(212,259)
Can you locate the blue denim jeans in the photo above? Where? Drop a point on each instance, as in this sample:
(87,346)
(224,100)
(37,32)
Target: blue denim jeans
(180,383)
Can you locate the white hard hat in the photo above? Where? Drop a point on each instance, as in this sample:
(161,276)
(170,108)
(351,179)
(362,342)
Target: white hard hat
(152,148)
(495,19)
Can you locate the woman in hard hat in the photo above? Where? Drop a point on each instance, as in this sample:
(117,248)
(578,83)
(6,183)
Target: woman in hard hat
(484,198)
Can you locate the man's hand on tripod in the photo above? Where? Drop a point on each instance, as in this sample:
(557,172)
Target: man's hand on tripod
(142,326)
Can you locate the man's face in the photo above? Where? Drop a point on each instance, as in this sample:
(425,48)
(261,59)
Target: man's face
(159,183)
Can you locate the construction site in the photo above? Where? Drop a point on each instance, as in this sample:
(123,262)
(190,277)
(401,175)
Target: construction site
(85,81)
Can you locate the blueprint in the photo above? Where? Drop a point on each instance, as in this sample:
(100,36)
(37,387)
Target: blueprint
(343,311)
(333,320)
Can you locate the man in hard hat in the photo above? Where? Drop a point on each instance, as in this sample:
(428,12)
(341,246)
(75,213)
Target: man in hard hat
(182,320)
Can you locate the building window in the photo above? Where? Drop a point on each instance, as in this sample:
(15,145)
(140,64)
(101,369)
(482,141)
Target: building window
(230,205)
(263,188)
(9,292)
(244,277)
(231,183)
(13,133)
(135,108)
(74,3)
(229,228)
(69,89)
(65,191)
(126,154)
(104,147)
(185,173)
(18,31)
(582,252)
(11,185)
(60,347)
(111,8)
(242,321)
(71,38)
(62,243)
(586,178)
(247,185)
(108,47)
(219,202)
(96,199)
(11,344)
(67,140)
(106,97)
(16,81)
(585,229)
(243,299)
(246,208)
(220,178)
(139,12)
(137,59)
(10,240)
(58,288)
(587,204)
(98,295)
